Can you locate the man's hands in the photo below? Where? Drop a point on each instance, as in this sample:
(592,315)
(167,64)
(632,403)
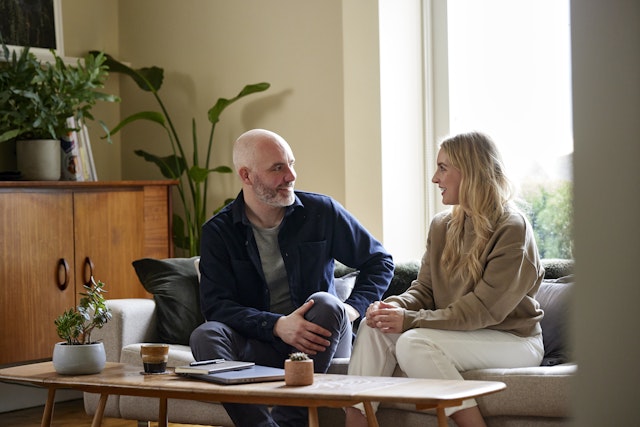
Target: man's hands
(386,317)
(298,332)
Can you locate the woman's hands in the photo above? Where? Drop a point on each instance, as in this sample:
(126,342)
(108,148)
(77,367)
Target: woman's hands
(386,317)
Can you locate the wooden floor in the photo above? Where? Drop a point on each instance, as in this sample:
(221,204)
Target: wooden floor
(67,414)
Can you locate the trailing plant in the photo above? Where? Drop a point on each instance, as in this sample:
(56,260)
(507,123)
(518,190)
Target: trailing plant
(193,179)
(37,97)
(75,325)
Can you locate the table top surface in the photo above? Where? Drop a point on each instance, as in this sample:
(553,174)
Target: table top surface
(123,379)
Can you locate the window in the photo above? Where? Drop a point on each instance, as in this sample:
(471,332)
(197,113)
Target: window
(507,73)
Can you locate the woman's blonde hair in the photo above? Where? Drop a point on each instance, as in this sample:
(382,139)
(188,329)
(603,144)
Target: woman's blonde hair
(484,193)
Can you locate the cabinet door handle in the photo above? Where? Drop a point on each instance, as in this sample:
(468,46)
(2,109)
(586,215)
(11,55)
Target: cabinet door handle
(88,264)
(64,266)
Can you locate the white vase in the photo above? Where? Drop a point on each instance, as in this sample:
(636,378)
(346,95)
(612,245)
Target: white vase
(39,159)
(79,359)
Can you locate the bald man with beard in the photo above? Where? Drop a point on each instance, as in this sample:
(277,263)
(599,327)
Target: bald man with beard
(267,264)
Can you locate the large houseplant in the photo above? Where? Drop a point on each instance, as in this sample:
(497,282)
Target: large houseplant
(193,177)
(78,353)
(37,98)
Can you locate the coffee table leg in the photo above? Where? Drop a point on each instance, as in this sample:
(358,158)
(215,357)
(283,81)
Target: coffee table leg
(47,415)
(371,416)
(97,417)
(163,416)
(442,417)
(313,416)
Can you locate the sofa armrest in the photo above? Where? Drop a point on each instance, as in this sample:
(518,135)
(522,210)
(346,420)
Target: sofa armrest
(339,365)
(133,321)
(550,384)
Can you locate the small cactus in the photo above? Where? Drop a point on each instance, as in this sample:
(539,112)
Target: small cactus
(298,356)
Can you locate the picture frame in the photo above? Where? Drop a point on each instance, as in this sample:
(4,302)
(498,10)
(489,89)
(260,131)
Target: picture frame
(41,40)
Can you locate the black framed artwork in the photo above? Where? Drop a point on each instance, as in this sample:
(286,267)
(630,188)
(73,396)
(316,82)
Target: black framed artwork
(33,23)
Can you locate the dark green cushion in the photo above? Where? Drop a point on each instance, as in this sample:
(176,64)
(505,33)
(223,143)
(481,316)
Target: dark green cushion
(173,282)
(404,274)
(555,268)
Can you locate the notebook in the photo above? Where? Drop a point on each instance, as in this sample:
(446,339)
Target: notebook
(213,367)
(254,374)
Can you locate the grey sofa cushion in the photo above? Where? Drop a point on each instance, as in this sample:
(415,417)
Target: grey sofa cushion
(554,298)
(173,282)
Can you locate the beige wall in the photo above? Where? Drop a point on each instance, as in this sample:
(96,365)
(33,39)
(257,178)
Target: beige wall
(211,49)
(323,62)
(94,26)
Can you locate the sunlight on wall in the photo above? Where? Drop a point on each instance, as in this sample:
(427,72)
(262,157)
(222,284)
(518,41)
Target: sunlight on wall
(402,125)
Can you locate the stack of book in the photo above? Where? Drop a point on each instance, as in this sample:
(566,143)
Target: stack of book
(77,157)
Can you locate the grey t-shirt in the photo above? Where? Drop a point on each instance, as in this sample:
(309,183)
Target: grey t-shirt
(273,268)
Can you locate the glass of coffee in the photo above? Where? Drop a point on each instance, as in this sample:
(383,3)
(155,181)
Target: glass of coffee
(154,357)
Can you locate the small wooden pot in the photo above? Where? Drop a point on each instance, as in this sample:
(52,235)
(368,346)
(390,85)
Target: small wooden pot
(298,372)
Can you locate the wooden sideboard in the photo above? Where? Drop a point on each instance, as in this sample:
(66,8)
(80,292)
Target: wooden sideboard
(56,235)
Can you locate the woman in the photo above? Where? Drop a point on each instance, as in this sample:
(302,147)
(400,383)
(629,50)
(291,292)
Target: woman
(472,305)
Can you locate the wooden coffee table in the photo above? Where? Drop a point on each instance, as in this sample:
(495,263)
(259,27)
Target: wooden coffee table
(327,390)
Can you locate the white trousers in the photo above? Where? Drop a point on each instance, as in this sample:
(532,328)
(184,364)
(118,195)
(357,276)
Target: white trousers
(440,354)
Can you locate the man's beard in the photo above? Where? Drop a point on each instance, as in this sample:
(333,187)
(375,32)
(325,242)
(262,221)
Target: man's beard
(271,196)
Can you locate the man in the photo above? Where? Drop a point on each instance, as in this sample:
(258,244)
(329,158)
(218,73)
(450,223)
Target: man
(267,263)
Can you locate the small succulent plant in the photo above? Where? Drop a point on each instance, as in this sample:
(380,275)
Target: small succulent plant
(298,356)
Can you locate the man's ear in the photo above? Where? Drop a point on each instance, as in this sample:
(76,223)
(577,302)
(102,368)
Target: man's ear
(244,175)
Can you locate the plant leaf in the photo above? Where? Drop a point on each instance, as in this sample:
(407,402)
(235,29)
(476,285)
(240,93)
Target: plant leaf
(147,78)
(221,169)
(171,167)
(152,116)
(9,135)
(223,103)
(179,237)
(253,88)
(198,174)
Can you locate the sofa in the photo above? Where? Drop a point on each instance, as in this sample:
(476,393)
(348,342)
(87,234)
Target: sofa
(535,396)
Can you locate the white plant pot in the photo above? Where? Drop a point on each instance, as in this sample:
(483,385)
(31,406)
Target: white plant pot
(79,359)
(39,159)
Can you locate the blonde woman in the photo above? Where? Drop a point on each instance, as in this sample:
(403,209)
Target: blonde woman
(473,303)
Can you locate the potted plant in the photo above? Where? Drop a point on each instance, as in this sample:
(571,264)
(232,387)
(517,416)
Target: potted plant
(78,354)
(193,179)
(44,101)
(298,369)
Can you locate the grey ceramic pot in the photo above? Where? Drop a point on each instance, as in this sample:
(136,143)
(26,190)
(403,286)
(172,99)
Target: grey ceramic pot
(79,359)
